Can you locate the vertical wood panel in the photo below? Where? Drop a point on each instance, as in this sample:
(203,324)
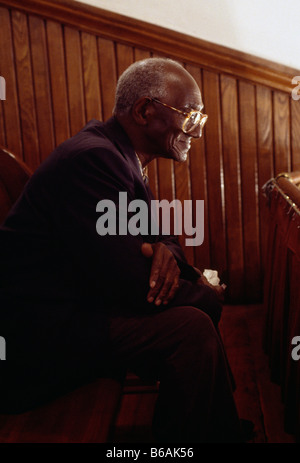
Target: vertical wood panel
(74,79)
(141,54)
(182,193)
(7,70)
(58,82)
(282,132)
(91,77)
(124,55)
(295,133)
(2,128)
(25,89)
(165,171)
(234,224)
(108,75)
(249,175)
(41,86)
(215,171)
(198,179)
(265,157)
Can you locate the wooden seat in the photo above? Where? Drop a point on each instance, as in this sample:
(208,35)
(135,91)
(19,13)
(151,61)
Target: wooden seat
(84,415)
(282,297)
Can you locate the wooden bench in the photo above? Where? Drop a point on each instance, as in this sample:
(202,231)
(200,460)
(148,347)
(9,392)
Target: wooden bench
(282,295)
(85,415)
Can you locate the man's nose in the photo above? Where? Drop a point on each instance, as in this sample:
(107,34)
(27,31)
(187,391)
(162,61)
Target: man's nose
(196,132)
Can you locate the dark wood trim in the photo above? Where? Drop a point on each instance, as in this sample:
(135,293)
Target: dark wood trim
(160,40)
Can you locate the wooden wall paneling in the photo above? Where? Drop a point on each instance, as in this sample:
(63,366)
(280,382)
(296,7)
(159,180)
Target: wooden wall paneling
(40,70)
(215,171)
(182,193)
(166,183)
(13,138)
(264,119)
(165,41)
(2,128)
(232,177)
(124,56)
(108,75)
(91,80)
(295,134)
(58,81)
(249,187)
(282,132)
(140,54)
(25,89)
(198,182)
(74,79)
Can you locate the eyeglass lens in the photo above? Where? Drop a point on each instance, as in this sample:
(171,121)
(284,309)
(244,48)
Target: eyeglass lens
(193,121)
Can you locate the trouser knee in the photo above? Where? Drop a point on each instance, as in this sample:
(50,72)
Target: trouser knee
(198,334)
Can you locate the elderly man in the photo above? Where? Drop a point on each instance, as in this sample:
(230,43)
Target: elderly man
(75,302)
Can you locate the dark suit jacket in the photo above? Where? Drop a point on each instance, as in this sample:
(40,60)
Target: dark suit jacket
(59,278)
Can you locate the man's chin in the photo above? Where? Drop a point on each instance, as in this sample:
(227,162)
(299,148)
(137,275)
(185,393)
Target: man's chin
(178,155)
(181,156)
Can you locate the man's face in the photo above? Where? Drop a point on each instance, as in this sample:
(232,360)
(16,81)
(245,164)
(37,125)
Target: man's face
(166,127)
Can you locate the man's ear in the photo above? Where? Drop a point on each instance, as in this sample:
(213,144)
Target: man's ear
(141,111)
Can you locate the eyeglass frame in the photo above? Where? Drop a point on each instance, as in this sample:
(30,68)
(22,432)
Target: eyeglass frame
(203,117)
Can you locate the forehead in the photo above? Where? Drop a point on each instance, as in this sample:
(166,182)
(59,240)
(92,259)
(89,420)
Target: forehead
(183,91)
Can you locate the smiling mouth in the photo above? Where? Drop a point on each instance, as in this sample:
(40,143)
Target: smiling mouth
(187,144)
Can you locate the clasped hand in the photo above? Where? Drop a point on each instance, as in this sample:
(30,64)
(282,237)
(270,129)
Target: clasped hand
(164,275)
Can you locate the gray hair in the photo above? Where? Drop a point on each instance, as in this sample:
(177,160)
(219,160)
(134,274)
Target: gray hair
(147,77)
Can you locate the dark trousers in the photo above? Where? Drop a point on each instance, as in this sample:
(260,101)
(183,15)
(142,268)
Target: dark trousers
(181,347)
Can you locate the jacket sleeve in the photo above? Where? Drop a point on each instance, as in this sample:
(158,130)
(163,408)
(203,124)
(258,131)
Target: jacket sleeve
(112,265)
(187,271)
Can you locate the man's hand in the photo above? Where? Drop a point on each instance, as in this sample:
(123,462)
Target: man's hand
(164,276)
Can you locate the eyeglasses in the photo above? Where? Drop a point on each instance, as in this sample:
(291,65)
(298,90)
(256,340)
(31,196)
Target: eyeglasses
(192,119)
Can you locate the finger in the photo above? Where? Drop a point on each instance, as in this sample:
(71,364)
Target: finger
(147,250)
(163,294)
(161,280)
(155,288)
(157,266)
(168,280)
(174,288)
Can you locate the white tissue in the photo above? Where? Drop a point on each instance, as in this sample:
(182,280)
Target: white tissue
(212,276)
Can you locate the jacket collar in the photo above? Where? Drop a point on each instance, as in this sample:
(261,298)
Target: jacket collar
(118,136)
